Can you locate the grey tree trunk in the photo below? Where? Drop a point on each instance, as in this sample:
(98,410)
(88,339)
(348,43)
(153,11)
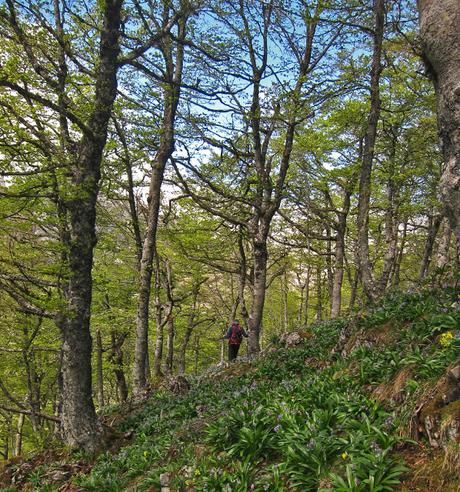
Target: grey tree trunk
(368,155)
(168,367)
(339,256)
(99,371)
(116,357)
(171,100)
(258,294)
(442,255)
(190,327)
(396,274)
(440,35)
(80,423)
(433,228)
(319,294)
(391,238)
(17,450)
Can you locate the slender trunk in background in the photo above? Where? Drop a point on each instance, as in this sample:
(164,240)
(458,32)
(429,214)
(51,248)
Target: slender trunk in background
(172,89)
(340,255)
(168,283)
(440,36)
(391,238)
(131,196)
(17,450)
(319,295)
(433,228)
(354,291)
(442,255)
(99,371)
(307,295)
(189,330)
(285,303)
(116,358)
(395,279)
(364,265)
(197,353)
(168,367)
(330,274)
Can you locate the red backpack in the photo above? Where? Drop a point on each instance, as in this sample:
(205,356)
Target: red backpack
(236,336)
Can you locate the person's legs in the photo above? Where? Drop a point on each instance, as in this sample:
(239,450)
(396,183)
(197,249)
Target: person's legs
(232,352)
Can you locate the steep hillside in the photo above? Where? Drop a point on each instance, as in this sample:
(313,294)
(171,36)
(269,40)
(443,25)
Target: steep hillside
(364,404)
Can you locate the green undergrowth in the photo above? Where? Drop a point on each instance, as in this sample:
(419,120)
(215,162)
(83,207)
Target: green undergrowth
(301,419)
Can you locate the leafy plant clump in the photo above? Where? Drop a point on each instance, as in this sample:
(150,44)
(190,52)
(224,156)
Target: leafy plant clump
(302,419)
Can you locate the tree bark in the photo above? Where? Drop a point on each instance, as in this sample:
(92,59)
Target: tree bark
(17,450)
(340,255)
(368,155)
(80,424)
(433,228)
(442,255)
(391,238)
(190,327)
(171,100)
(99,370)
(116,357)
(258,294)
(440,35)
(319,295)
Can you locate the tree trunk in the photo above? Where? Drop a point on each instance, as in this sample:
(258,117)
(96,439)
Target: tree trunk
(258,294)
(131,196)
(116,358)
(339,256)
(17,450)
(307,295)
(99,370)
(190,327)
(197,353)
(440,35)
(319,295)
(433,228)
(168,367)
(391,239)
(329,272)
(285,303)
(397,269)
(80,424)
(442,255)
(368,155)
(171,100)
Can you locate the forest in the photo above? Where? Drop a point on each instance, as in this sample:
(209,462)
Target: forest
(168,166)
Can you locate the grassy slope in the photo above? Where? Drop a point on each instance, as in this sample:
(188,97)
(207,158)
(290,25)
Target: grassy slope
(303,419)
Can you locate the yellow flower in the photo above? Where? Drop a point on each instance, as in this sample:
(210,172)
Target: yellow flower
(344,455)
(446,339)
(146,453)
(197,473)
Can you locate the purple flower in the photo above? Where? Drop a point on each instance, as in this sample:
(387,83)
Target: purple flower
(253,385)
(311,444)
(376,448)
(388,422)
(277,428)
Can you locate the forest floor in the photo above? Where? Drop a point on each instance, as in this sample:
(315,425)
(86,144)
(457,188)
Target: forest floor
(369,403)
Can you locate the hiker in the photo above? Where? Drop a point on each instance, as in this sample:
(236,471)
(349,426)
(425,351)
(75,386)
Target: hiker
(234,336)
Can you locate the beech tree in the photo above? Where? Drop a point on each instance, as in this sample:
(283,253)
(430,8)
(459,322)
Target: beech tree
(440,38)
